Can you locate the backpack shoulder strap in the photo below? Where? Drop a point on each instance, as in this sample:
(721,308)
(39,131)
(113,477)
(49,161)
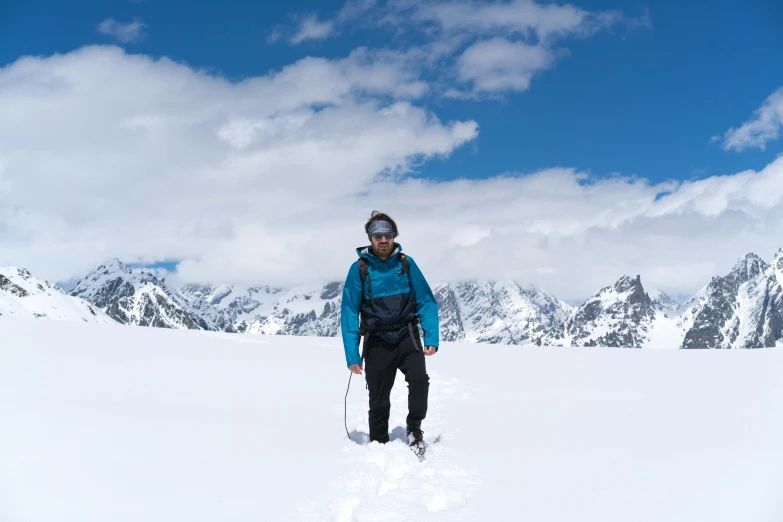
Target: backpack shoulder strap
(363,276)
(363,333)
(362,271)
(407,267)
(413,331)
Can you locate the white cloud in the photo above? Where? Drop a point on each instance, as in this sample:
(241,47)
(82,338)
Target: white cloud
(572,234)
(491,47)
(499,65)
(270,180)
(354,9)
(511,40)
(125,33)
(312,29)
(153,159)
(275,34)
(761,129)
(522,17)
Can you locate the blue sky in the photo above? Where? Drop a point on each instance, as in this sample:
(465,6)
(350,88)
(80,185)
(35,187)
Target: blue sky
(642,101)
(210,137)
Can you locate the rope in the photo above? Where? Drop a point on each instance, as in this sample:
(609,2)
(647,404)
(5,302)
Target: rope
(346,406)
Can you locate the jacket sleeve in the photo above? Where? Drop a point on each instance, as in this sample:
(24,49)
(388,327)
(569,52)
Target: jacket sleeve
(349,315)
(426,306)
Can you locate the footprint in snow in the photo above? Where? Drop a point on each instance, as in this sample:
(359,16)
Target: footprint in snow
(387,482)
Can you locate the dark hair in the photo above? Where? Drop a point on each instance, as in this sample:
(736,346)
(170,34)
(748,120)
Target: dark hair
(380,216)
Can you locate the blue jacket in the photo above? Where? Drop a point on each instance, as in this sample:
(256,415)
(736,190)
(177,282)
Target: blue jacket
(393,301)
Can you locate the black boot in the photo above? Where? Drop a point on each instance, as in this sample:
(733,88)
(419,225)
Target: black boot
(416,441)
(415,435)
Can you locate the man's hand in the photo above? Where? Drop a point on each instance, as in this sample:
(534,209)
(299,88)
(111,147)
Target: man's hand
(356,368)
(429,350)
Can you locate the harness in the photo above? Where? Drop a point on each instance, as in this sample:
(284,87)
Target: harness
(364,331)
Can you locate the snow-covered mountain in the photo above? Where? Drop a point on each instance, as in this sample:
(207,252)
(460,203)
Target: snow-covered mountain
(497,312)
(135,296)
(24,295)
(621,315)
(743,309)
(489,312)
(662,302)
(300,310)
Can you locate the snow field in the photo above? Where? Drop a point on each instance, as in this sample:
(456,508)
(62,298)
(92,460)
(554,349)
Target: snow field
(386,482)
(119,423)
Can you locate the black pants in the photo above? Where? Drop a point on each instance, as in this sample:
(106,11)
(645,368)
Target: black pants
(382,361)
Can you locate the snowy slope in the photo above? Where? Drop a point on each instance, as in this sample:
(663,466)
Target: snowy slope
(621,315)
(497,312)
(743,309)
(122,424)
(137,297)
(662,302)
(230,308)
(300,310)
(24,295)
(492,312)
(303,310)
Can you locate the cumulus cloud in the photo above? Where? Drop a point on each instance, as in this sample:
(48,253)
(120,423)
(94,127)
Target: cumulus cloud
(571,233)
(105,153)
(270,180)
(759,130)
(312,29)
(125,33)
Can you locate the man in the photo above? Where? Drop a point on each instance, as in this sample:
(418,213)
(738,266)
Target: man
(393,303)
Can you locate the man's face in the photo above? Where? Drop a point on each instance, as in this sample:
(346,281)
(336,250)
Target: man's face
(382,243)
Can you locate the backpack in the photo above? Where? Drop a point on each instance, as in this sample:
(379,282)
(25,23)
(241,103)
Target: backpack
(363,276)
(363,332)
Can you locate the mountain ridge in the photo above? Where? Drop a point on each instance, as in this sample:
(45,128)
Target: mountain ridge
(742,309)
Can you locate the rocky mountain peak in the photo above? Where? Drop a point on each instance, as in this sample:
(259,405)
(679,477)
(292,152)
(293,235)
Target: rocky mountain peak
(619,315)
(739,310)
(135,296)
(662,301)
(778,260)
(630,284)
(113,266)
(748,267)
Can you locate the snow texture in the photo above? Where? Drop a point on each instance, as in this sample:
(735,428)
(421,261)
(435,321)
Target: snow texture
(104,422)
(24,295)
